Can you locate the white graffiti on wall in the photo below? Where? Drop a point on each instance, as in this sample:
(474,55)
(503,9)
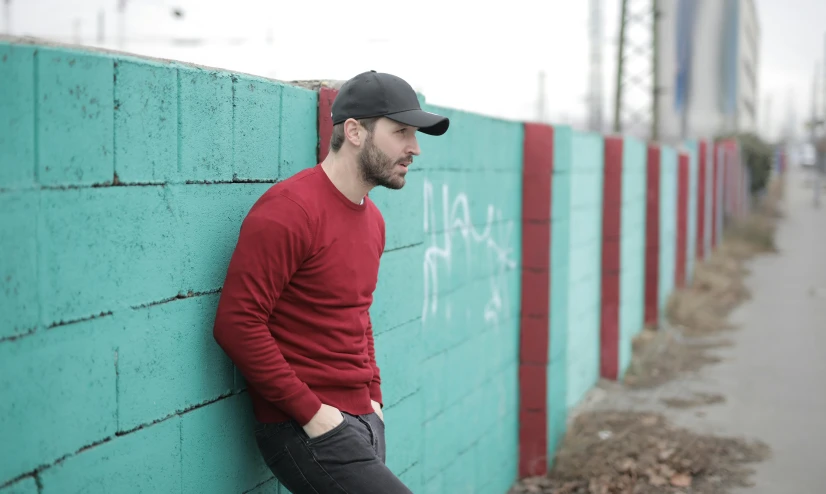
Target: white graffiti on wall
(495,238)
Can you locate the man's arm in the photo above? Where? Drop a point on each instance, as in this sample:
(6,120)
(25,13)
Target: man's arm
(269,250)
(375,383)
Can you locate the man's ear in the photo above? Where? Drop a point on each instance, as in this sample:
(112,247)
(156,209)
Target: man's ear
(351,131)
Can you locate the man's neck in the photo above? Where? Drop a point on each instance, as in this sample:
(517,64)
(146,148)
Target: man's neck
(344,175)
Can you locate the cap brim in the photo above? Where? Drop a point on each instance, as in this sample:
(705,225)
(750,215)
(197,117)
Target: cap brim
(428,123)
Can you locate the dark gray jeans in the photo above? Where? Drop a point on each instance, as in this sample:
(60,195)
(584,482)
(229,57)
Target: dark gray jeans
(349,459)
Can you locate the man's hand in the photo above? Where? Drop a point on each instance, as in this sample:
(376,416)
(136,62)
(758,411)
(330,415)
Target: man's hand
(325,419)
(377,408)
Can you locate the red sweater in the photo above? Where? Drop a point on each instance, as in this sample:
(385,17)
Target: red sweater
(293,313)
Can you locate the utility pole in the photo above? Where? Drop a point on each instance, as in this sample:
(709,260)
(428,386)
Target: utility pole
(620,65)
(655,68)
(595,76)
(635,103)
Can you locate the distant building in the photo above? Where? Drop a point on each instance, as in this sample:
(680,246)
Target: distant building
(708,66)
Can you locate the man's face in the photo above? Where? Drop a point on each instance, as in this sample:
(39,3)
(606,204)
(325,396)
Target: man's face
(386,154)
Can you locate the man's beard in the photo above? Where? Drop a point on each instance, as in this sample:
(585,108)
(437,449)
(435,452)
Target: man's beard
(377,168)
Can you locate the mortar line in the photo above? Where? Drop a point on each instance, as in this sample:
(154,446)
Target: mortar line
(233,81)
(36,136)
(115,106)
(281,134)
(178,99)
(117,391)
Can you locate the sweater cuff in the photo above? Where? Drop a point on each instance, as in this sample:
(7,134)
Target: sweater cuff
(375,393)
(303,406)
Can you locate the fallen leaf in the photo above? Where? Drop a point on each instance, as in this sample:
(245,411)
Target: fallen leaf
(681,480)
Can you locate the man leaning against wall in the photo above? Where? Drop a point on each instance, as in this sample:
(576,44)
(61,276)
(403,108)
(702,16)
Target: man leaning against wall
(294,313)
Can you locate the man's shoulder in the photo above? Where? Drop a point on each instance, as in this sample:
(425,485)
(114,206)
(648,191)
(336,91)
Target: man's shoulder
(287,203)
(295,191)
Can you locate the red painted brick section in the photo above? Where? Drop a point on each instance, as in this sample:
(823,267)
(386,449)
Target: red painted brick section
(701,200)
(611,234)
(682,220)
(715,197)
(652,237)
(326,96)
(533,443)
(535,305)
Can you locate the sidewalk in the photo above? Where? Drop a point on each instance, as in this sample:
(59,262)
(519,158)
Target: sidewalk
(771,376)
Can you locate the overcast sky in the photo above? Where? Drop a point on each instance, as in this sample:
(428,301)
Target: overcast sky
(459,53)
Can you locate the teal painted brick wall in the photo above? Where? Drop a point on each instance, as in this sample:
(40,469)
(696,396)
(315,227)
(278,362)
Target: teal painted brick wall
(668,225)
(133,266)
(106,353)
(471,192)
(584,276)
(693,148)
(632,247)
(557,381)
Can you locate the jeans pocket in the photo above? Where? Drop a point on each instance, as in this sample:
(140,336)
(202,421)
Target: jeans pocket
(327,435)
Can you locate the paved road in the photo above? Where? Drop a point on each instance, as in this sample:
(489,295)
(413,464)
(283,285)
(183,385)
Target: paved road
(774,376)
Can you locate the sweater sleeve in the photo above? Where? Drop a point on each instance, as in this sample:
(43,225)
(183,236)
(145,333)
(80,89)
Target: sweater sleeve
(270,249)
(375,383)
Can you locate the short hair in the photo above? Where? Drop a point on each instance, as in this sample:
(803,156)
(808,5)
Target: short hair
(337,139)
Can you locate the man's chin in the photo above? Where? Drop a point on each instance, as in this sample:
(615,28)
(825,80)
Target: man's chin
(395,183)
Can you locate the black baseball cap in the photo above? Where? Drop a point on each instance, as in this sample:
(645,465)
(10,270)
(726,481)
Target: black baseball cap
(374,94)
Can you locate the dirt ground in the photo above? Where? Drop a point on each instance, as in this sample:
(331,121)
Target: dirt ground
(612,452)
(640,452)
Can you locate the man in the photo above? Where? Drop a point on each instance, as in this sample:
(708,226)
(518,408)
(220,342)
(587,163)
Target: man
(294,310)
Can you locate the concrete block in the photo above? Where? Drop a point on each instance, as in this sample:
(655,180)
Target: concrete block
(440,442)
(400,279)
(532,387)
(256,128)
(563,149)
(533,447)
(403,212)
(59,389)
(74,119)
(412,478)
(269,487)
(434,385)
(497,456)
(20,301)
(535,333)
(561,196)
(17,99)
(536,245)
(536,293)
(299,139)
(169,362)
(148,460)
(219,453)
(146,122)
(434,484)
(105,248)
(403,432)
(557,414)
(210,217)
(25,486)
(205,112)
(460,476)
(536,197)
(398,355)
